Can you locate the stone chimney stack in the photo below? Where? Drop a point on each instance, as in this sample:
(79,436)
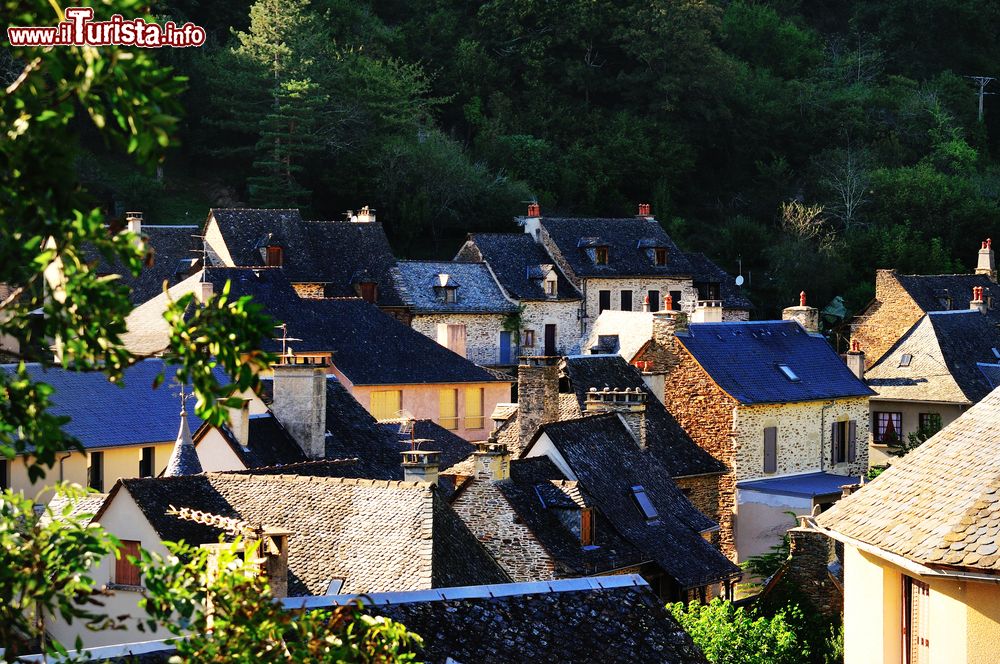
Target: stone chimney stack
(707,311)
(807,317)
(855,360)
(271,556)
(300,404)
(629,404)
(365,215)
(239,423)
(987,265)
(808,570)
(532,222)
(978,303)
(537,394)
(421,465)
(133,222)
(666,324)
(204,291)
(492,460)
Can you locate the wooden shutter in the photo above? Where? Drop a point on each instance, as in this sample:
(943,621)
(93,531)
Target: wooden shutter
(852,441)
(126,573)
(473,408)
(386,404)
(586,527)
(770,449)
(833,443)
(449,408)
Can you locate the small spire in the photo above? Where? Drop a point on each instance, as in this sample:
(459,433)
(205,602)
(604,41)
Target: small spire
(184,458)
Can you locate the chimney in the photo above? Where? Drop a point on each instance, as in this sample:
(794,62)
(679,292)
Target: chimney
(855,360)
(987,265)
(204,291)
(365,215)
(807,317)
(537,394)
(133,222)
(668,303)
(707,311)
(629,404)
(644,211)
(492,460)
(977,301)
(666,324)
(271,556)
(421,465)
(299,403)
(534,210)
(239,423)
(645,303)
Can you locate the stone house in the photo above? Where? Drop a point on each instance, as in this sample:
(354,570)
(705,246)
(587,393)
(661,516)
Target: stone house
(944,364)
(920,550)
(392,370)
(771,401)
(550,314)
(630,264)
(902,299)
(459,305)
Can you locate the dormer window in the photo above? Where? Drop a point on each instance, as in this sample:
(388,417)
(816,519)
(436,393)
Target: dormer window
(601,255)
(644,504)
(659,256)
(789,374)
(446,288)
(368,291)
(550,285)
(450,294)
(275,256)
(905,359)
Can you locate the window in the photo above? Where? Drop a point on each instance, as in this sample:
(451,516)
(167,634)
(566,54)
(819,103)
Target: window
(626,300)
(916,621)
(789,374)
(603,301)
(274,256)
(4,474)
(843,444)
(905,359)
(996,353)
(645,505)
(450,295)
(771,449)
(708,290)
(126,572)
(529,338)
(452,337)
(677,296)
(654,300)
(146,466)
(550,287)
(930,422)
(333,588)
(95,471)
(888,427)
(474,408)
(448,402)
(368,291)
(386,404)
(586,527)
(601,255)
(659,256)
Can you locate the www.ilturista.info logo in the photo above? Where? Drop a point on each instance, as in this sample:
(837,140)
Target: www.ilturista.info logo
(79,29)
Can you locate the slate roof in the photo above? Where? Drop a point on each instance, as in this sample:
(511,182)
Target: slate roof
(940,504)
(333,252)
(176,254)
(513,258)
(477,292)
(369,346)
(703,269)
(806,485)
(183,458)
(627,239)
(607,462)
(268,444)
(103,414)
(927,289)
(666,440)
(555,621)
(952,359)
(376,535)
(743,359)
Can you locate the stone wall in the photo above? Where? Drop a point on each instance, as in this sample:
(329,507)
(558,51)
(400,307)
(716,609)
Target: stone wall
(537,397)
(887,319)
(804,431)
(806,574)
(310,291)
(493,521)
(639,287)
(732,315)
(482,333)
(563,314)
(703,492)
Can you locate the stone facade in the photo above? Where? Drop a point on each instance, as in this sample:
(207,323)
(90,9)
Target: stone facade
(734,315)
(310,290)
(482,333)
(886,319)
(703,492)
(639,287)
(564,314)
(537,396)
(806,573)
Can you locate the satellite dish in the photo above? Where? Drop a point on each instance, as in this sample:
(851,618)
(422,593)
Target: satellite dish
(739,280)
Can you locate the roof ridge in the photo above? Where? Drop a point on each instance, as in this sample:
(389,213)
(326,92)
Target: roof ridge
(304,479)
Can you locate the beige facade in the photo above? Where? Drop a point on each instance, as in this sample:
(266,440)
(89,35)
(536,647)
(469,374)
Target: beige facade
(481,332)
(910,412)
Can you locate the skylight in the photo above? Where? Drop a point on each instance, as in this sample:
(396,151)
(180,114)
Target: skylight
(996,353)
(645,505)
(905,359)
(789,374)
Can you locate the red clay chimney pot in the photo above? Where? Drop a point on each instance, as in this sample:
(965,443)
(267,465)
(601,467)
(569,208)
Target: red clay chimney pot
(534,210)
(802,299)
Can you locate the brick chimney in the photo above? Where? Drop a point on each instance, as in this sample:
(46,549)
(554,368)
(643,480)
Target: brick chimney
(855,360)
(133,222)
(239,423)
(629,404)
(987,265)
(421,465)
(300,405)
(807,317)
(492,460)
(977,303)
(537,394)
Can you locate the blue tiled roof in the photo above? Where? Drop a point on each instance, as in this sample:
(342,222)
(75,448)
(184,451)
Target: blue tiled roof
(744,359)
(103,414)
(809,485)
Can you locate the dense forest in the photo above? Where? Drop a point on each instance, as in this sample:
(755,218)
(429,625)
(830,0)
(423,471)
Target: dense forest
(806,142)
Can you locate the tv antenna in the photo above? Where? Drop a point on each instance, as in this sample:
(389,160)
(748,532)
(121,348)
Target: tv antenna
(284,339)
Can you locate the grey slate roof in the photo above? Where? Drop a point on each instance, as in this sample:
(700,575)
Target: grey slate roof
(666,440)
(337,253)
(376,535)
(183,459)
(607,462)
(940,504)
(628,241)
(103,414)
(952,360)
(477,292)
(555,621)
(743,359)
(514,258)
(927,290)
(176,254)
(703,269)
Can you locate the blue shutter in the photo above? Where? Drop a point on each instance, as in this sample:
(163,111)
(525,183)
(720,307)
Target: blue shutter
(505,348)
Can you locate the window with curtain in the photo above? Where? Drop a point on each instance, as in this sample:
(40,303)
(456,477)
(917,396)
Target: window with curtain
(448,413)
(888,427)
(386,404)
(474,408)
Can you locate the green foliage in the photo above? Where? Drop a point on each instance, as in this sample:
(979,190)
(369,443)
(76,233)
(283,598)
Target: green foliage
(731,635)
(875,471)
(513,322)
(765,565)
(227,614)
(914,439)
